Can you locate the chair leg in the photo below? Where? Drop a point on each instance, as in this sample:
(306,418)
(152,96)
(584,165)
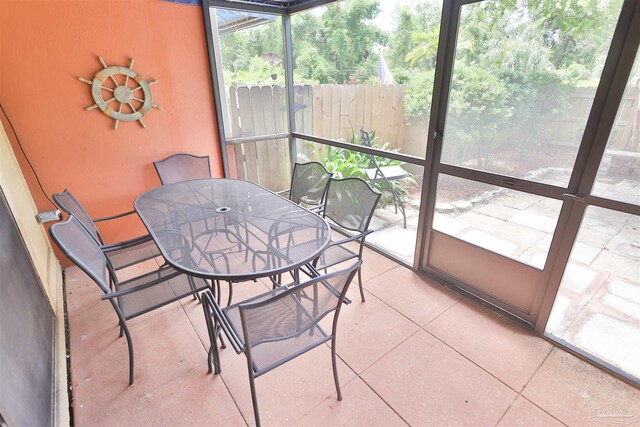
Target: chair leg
(125,329)
(213,355)
(209,364)
(130,345)
(192,285)
(360,283)
(254,397)
(212,330)
(216,359)
(230,294)
(219,333)
(218,293)
(335,367)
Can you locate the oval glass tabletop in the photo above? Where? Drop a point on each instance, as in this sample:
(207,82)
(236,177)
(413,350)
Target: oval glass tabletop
(230,229)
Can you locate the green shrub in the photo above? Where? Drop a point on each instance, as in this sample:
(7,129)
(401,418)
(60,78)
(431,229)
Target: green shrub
(343,163)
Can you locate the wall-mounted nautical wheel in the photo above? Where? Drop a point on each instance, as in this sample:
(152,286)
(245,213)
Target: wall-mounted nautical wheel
(128,95)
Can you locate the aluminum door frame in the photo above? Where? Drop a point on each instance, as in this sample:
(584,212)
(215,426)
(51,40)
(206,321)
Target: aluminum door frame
(600,121)
(618,67)
(219,95)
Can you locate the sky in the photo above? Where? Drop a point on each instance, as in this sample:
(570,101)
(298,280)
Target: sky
(385,19)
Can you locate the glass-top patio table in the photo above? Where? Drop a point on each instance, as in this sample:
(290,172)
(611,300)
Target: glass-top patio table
(229,229)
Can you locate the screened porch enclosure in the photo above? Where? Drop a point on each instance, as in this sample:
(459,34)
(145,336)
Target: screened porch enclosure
(496,128)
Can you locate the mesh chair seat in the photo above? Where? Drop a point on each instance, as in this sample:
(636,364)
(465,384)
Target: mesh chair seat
(349,203)
(121,254)
(335,254)
(131,298)
(174,286)
(280,320)
(126,257)
(279,325)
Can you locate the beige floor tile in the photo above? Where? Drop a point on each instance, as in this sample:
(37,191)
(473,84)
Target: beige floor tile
(460,375)
(577,393)
(419,298)
(505,349)
(525,413)
(360,406)
(428,383)
(189,400)
(137,270)
(164,349)
(77,283)
(367,331)
(289,391)
(374,264)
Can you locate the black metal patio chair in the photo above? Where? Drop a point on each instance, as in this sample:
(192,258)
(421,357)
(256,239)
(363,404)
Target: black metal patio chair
(385,174)
(121,254)
(182,167)
(279,325)
(349,203)
(130,298)
(308,184)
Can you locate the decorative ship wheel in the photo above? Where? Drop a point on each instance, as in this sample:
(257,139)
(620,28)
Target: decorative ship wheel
(137,99)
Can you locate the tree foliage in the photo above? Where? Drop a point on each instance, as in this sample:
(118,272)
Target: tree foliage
(515,59)
(337,45)
(515,63)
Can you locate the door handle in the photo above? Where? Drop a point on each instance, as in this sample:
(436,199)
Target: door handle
(575,197)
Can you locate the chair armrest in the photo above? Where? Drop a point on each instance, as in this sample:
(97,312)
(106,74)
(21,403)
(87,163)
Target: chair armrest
(141,287)
(315,273)
(352,238)
(126,244)
(213,308)
(107,218)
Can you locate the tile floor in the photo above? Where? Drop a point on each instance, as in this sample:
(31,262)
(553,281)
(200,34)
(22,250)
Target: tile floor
(415,353)
(598,305)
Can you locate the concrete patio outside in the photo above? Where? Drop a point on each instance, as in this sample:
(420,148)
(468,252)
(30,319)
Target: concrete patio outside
(598,304)
(415,353)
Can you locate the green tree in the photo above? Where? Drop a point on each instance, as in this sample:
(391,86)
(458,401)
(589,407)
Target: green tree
(576,31)
(425,48)
(400,39)
(243,54)
(517,59)
(477,111)
(337,46)
(417,28)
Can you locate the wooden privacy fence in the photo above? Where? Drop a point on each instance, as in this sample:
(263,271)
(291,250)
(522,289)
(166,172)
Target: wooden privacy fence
(334,111)
(255,111)
(562,131)
(330,111)
(339,110)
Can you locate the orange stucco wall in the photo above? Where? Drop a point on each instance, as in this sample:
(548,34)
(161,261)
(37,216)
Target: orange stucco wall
(46,45)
